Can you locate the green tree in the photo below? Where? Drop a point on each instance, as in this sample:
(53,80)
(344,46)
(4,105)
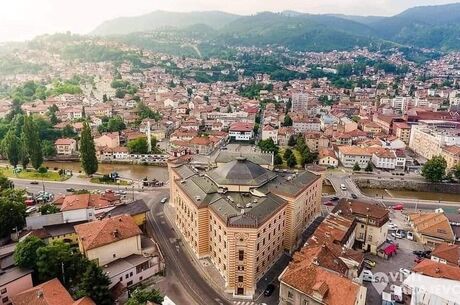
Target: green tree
(287,120)
(138,146)
(141,296)
(456,171)
(95,284)
(287,153)
(51,259)
(11,147)
(25,254)
(369,168)
(278,160)
(356,167)
(48,208)
(116,123)
(12,211)
(48,149)
(23,152)
(434,169)
(5,183)
(291,161)
(292,141)
(33,143)
(268,146)
(88,151)
(68,131)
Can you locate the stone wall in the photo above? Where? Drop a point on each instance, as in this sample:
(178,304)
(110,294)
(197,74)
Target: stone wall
(407,185)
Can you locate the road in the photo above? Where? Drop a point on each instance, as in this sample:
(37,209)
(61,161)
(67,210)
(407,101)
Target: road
(180,269)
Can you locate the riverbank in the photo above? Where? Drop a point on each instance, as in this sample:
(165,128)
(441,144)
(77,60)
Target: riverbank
(31,174)
(408,189)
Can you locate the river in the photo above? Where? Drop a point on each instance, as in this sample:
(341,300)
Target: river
(129,171)
(378,193)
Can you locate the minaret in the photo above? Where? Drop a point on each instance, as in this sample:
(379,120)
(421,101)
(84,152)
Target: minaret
(149,137)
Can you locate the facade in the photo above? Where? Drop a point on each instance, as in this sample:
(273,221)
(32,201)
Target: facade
(372,228)
(316,141)
(452,155)
(350,155)
(110,140)
(242,216)
(241,131)
(302,124)
(328,158)
(299,102)
(431,229)
(65,147)
(116,244)
(268,132)
(13,281)
(384,159)
(402,131)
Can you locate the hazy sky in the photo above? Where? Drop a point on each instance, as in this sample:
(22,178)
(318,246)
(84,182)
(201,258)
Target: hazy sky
(24,19)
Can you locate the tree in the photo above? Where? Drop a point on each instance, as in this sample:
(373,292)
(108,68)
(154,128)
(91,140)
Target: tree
(292,141)
(104,98)
(12,211)
(33,143)
(116,123)
(434,169)
(291,161)
(278,160)
(50,260)
(68,131)
(23,153)
(369,168)
(48,208)
(11,147)
(456,171)
(95,284)
(356,167)
(138,146)
(268,146)
(5,183)
(141,296)
(48,149)
(287,120)
(287,154)
(25,254)
(88,151)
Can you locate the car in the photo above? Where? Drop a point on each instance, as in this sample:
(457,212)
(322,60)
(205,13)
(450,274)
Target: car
(70,190)
(404,271)
(335,198)
(410,236)
(398,207)
(396,235)
(329,203)
(163,200)
(354,196)
(370,262)
(367,276)
(34,182)
(422,253)
(418,259)
(269,290)
(343,187)
(392,226)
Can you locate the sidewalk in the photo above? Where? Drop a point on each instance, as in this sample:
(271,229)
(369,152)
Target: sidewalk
(204,266)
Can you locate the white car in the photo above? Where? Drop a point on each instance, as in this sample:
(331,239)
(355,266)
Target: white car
(410,236)
(392,226)
(404,271)
(164,200)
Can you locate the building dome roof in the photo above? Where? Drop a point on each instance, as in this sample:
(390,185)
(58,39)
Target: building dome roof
(241,172)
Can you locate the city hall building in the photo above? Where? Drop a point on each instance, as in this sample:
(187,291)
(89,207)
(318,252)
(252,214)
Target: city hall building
(242,216)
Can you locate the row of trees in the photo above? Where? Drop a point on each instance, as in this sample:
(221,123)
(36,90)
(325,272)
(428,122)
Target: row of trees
(22,144)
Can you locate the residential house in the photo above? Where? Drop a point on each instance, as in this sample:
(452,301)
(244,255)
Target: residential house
(351,155)
(12,282)
(116,244)
(431,229)
(65,146)
(48,293)
(446,253)
(327,158)
(241,131)
(268,132)
(372,228)
(452,155)
(110,140)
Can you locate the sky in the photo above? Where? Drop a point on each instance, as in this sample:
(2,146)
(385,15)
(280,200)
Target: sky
(25,19)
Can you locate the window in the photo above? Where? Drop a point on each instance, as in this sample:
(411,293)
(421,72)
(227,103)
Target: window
(240,279)
(114,255)
(290,295)
(241,255)
(5,299)
(3,291)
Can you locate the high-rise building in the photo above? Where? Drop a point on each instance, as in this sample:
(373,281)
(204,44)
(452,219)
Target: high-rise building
(299,102)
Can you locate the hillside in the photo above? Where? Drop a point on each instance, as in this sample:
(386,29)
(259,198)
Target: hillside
(160,19)
(435,27)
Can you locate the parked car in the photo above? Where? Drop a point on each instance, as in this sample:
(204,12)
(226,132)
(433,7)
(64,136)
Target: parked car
(163,200)
(269,290)
(398,207)
(70,190)
(354,196)
(367,276)
(422,253)
(418,259)
(370,262)
(343,187)
(329,203)
(397,234)
(335,198)
(34,182)
(392,226)
(410,236)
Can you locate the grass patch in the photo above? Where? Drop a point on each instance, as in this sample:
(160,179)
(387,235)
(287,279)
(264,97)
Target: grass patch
(296,154)
(31,174)
(100,180)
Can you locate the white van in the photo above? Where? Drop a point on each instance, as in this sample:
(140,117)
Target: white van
(343,187)
(367,276)
(410,236)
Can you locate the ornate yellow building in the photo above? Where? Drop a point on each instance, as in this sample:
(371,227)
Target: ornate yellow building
(243,216)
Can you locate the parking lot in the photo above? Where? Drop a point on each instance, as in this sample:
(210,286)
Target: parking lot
(390,267)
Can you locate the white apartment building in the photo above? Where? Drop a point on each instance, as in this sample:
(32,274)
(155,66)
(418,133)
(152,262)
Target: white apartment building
(350,155)
(299,102)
